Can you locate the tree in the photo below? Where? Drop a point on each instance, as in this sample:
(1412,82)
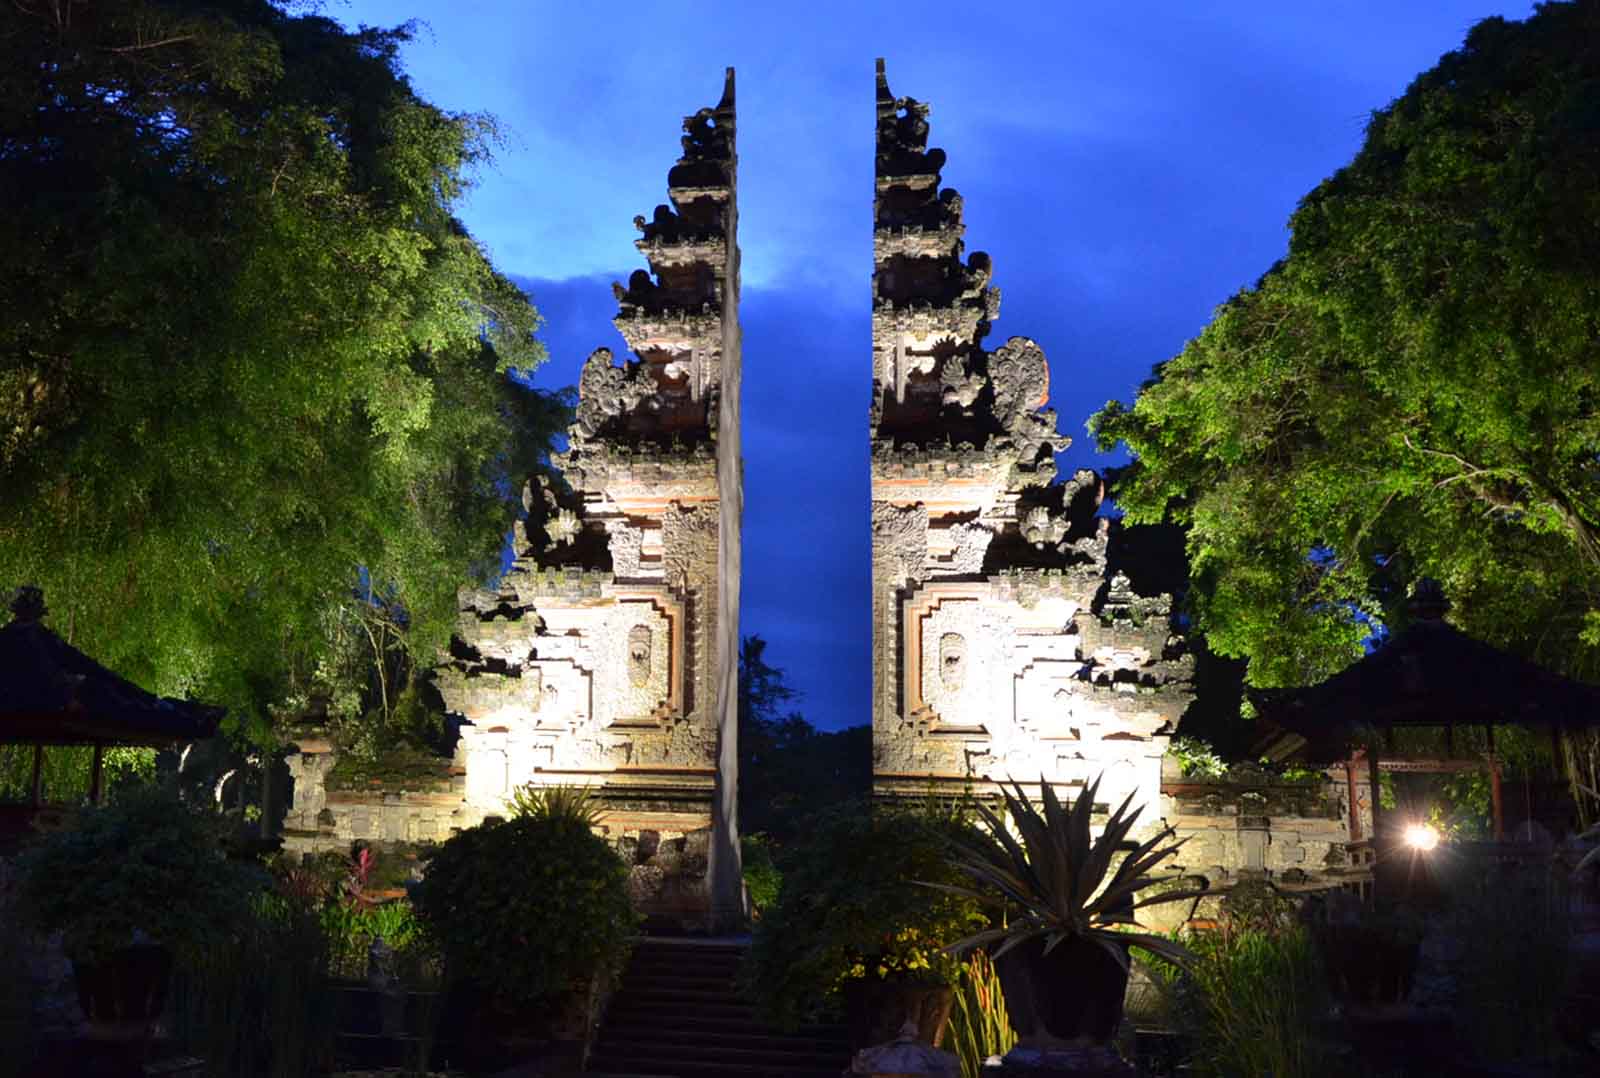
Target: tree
(788,769)
(252,368)
(1413,390)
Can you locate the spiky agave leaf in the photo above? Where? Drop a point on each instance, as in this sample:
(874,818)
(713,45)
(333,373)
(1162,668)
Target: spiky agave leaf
(1055,877)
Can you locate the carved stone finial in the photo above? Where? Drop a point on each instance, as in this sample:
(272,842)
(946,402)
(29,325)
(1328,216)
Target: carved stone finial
(27,605)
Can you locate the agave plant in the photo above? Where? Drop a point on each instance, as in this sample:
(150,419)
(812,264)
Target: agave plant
(575,804)
(1054,878)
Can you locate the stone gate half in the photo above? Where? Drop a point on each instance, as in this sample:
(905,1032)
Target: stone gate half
(1002,648)
(607,655)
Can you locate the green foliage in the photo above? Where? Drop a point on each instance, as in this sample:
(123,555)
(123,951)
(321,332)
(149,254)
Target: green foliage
(1514,919)
(1253,1001)
(144,863)
(1196,759)
(527,908)
(257,1003)
(979,1025)
(390,766)
(1053,878)
(350,929)
(67,770)
(575,805)
(850,908)
(762,879)
(261,374)
(1411,391)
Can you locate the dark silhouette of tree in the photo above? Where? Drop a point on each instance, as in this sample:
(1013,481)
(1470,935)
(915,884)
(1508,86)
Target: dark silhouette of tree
(788,769)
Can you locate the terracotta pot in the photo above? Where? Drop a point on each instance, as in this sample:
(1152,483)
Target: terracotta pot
(124,994)
(878,1010)
(1069,997)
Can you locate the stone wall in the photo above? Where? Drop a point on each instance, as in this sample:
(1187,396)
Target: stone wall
(1252,824)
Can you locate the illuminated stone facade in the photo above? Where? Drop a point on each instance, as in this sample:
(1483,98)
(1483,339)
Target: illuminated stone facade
(595,662)
(1002,645)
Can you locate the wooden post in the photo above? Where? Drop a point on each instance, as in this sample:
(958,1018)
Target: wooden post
(37,786)
(1377,792)
(1495,802)
(94,772)
(1350,795)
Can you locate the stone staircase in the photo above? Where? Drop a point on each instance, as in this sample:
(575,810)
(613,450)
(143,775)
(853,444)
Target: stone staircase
(679,1015)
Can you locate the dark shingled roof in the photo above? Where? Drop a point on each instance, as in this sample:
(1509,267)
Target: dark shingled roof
(1429,675)
(52,693)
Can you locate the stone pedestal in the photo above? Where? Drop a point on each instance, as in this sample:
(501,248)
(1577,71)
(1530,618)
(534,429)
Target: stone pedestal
(1092,1062)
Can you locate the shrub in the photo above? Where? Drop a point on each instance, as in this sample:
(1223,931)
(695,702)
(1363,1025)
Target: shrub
(1516,969)
(762,879)
(1252,1001)
(527,908)
(147,863)
(257,1004)
(979,1026)
(850,908)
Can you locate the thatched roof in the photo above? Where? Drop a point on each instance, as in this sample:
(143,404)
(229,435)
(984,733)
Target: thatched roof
(52,693)
(1432,674)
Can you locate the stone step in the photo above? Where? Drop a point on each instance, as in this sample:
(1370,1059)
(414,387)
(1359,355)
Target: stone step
(756,1037)
(669,1068)
(679,1012)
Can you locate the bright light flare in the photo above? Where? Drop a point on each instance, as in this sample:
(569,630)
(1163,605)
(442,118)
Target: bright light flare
(1421,837)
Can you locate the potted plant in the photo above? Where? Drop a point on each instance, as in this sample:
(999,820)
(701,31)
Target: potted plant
(852,934)
(533,921)
(131,887)
(1069,900)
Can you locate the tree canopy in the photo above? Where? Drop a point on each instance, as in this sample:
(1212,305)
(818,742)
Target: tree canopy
(1413,390)
(251,366)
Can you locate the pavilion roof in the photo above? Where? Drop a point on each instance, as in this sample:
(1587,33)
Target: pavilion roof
(52,693)
(1431,674)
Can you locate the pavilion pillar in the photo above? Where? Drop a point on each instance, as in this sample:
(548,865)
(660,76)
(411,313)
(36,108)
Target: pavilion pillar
(36,785)
(1497,805)
(1351,795)
(94,772)
(1377,789)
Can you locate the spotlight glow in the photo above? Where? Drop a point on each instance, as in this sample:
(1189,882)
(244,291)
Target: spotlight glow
(1421,837)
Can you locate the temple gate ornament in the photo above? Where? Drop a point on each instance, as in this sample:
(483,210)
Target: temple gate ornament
(1002,644)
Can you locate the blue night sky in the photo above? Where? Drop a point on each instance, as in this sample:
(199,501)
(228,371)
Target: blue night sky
(1128,166)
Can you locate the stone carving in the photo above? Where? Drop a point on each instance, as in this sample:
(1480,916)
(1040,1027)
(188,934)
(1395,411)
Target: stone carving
(639,655)
(606,391)
(900,539)
(627,549)
(1000,649)
(952,661)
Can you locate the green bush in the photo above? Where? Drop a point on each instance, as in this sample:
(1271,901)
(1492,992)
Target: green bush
(1253,1002)
(527,908)
(146,863)
(851,907)
(1516,969)
(762,879)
